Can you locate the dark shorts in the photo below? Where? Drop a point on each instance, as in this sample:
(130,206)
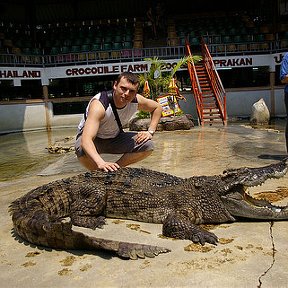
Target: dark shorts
(122,143)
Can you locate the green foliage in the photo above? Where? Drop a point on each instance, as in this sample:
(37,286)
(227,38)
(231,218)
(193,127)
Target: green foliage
(143,114)
(158,79)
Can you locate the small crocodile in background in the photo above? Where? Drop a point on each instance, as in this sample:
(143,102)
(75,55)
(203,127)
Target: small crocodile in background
(45,215)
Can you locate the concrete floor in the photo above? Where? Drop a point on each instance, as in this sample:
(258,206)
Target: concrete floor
(250,254)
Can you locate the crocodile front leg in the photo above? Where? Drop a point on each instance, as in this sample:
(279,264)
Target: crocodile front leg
(177,225)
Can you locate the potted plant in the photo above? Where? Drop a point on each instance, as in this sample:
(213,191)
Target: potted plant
(154,84)
(158,80)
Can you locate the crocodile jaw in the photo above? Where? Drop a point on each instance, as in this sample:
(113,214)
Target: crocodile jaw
(240,204)
(251,177)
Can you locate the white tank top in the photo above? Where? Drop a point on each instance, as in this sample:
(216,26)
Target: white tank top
(108,127)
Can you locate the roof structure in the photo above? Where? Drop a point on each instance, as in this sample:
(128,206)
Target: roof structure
(49,11)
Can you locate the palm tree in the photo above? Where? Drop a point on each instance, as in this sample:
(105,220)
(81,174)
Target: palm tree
(158,79)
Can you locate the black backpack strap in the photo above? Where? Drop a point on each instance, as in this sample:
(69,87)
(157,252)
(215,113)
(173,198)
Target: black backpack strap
(103,99)
(110,96)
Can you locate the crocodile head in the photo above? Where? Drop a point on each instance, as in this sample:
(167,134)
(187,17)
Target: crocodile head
(240,204)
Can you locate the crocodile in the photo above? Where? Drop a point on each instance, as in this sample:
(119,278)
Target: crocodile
(45,215)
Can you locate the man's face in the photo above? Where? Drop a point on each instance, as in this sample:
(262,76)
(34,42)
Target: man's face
(125,92)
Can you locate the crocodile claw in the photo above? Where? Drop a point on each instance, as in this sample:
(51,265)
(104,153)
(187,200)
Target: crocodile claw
(135,251)
(203,237)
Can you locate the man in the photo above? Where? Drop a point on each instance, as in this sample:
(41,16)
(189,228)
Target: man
(284,80)
(100,133)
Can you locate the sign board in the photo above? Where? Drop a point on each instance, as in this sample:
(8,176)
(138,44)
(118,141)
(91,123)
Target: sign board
(169,105)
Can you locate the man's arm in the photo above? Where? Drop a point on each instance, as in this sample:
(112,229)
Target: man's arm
(155,109)
(95,114)
(284,70)
(284,80)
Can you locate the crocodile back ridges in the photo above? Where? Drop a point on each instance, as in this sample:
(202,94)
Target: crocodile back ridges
(140,194)
(139,177)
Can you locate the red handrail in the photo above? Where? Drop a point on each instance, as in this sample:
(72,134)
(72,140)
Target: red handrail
(197,92)
(215,81)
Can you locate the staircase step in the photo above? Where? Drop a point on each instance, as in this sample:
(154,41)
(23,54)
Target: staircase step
(209,111)
(208,96)
(212,118)
(209,107)
(213,123)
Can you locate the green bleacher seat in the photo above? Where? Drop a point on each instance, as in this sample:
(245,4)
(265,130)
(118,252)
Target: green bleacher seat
(117,46)
(87,41)
(216,39)
(182,41)
(65,50)
(108,39)
(227,39)
(206,39)
(194,41)
(238,39)
(85,48)
(118,38)
(247,37)
(128,37)
(54,50)
(75,48)
(107,46)
(127,45)
(96,47)
(67,42)
(27,50)
(36,51)
(259,37)
(96,40)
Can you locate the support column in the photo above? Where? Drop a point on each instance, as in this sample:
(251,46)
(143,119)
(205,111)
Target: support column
(47,114)
(272,93)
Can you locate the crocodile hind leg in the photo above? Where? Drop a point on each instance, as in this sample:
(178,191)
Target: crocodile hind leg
(62,236)
(177,225)
(125,250)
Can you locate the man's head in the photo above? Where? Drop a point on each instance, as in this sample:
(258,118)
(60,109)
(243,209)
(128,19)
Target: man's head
(130,77)
(125,89)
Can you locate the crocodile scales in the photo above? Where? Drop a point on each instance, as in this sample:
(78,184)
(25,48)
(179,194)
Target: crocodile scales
(45,215)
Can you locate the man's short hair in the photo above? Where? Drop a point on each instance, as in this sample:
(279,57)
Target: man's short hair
(132,78)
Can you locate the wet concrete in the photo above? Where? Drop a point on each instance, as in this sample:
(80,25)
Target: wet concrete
(249,254)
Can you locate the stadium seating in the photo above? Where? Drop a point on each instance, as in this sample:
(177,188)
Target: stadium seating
(222,34)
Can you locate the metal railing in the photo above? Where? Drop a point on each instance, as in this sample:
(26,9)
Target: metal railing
(216,83)
(196,88)
(139,54)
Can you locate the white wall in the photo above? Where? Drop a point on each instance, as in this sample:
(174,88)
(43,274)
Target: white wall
(239,103)
(24,117)
(18,117)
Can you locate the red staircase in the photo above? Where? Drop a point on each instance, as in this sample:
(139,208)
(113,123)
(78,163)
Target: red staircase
(208,91)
